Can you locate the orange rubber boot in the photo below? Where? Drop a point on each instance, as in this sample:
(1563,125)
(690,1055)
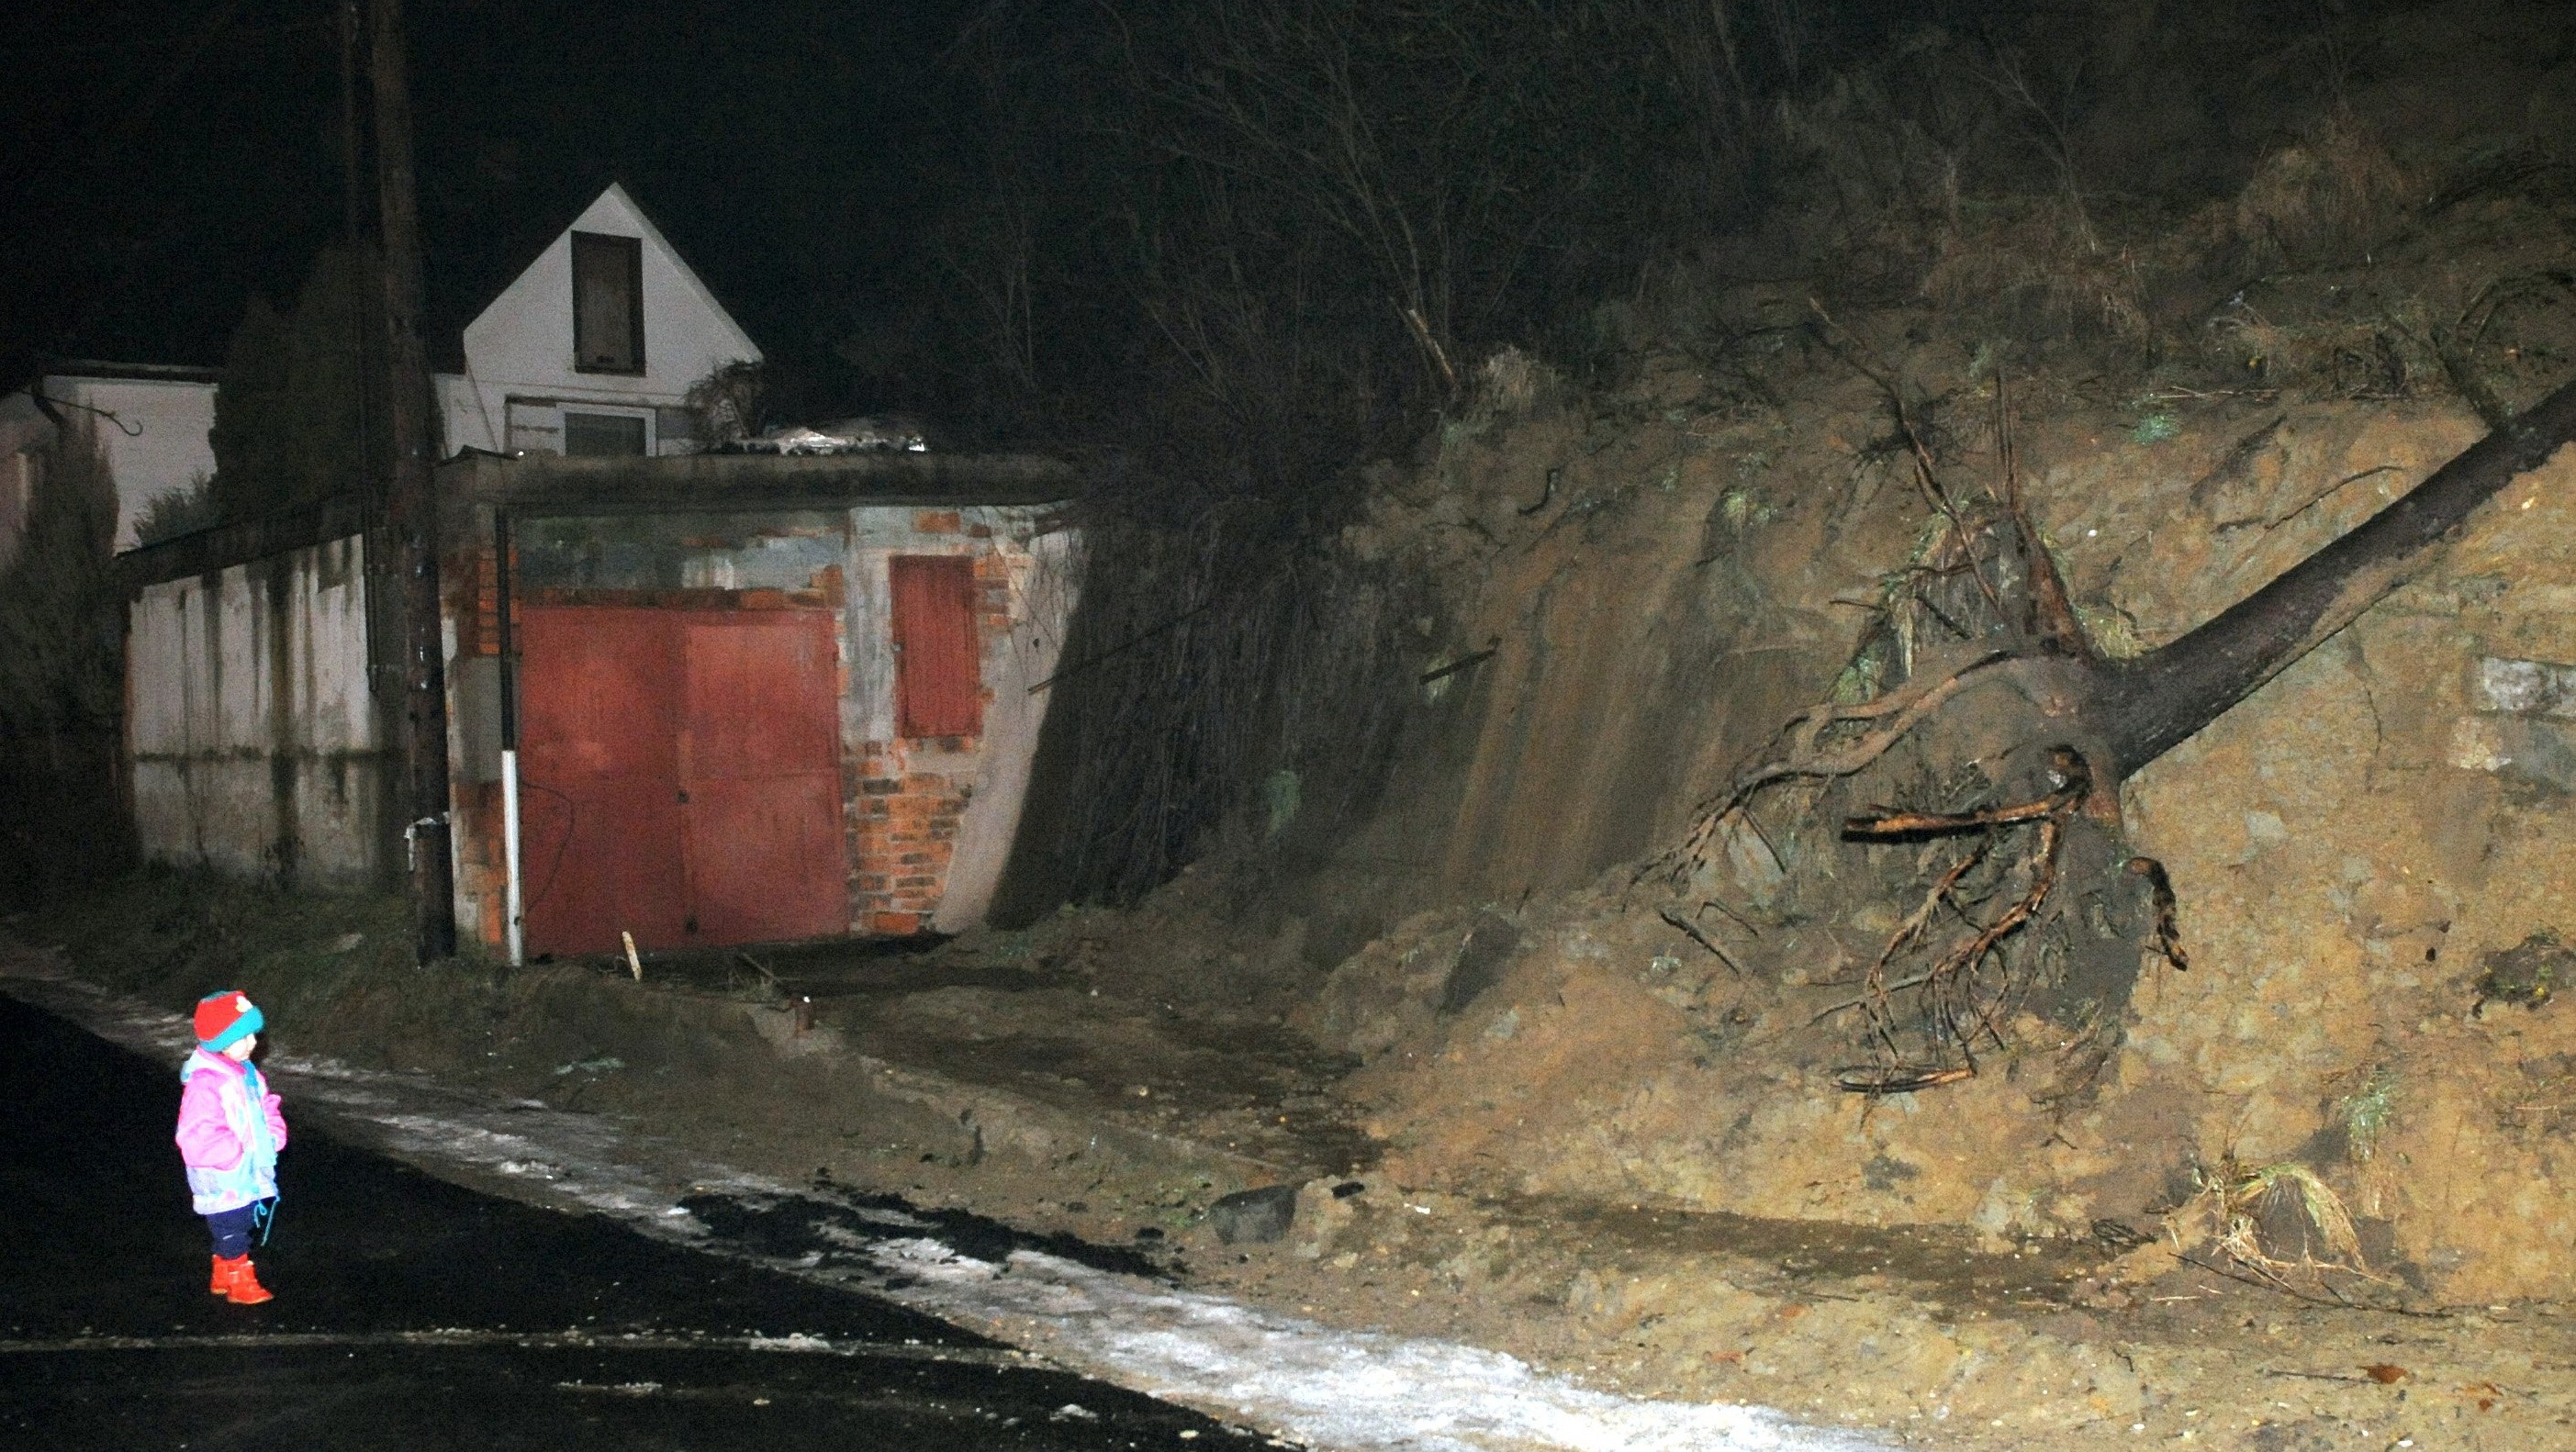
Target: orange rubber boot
(246,1289)
(224,1271)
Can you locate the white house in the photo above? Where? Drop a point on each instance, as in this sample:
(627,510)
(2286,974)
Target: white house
(592,349)
(151,421)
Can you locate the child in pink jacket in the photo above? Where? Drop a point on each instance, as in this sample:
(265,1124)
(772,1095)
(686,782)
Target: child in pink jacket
(230,1131)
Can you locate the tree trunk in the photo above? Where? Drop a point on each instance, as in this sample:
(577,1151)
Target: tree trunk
(2143,708)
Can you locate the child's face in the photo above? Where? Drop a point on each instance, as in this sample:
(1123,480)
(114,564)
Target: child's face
(239,1049)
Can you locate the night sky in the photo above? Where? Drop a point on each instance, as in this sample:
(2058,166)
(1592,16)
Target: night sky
(169,158)
(1249,242)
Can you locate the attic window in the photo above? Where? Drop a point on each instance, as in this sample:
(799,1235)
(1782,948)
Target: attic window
(607,303)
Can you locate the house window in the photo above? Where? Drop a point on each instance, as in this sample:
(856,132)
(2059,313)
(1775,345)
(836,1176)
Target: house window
(602,435)
(939,691)
(607,303)
(535,427)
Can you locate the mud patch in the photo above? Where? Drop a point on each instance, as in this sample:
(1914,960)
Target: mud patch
(849,1229)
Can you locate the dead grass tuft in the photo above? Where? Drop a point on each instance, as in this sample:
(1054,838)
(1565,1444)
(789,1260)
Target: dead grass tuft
(2327,198)
(2032,266)
(1510,382)
(2239,1211)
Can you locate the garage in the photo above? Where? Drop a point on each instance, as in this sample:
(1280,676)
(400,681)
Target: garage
(735,699)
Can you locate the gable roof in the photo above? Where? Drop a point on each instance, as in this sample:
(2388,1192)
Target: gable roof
(467,279)
(653,234)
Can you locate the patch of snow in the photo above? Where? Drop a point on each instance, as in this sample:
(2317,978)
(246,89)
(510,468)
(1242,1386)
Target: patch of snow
(794,1341)
(1325,1386)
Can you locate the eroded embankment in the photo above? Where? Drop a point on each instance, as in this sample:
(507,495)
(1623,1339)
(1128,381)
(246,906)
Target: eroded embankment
(2355,848)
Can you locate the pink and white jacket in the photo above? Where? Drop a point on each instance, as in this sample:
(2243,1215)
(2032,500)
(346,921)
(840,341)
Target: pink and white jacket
(230,1130)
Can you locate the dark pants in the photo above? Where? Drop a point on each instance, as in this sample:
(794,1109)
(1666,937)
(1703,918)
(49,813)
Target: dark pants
(234,1228)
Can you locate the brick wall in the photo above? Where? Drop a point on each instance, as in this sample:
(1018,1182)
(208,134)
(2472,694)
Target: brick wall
(901,840)
(471,581)
(908,795)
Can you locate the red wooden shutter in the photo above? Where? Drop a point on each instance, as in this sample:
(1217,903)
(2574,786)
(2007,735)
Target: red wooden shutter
(939,690)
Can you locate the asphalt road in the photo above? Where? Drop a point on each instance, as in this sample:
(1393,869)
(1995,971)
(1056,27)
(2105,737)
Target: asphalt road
(412,1313)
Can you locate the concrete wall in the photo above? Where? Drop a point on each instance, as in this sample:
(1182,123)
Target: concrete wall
(254,745)
(519,372)
(1036,589)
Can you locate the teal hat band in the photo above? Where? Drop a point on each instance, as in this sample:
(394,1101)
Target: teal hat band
(240,1029)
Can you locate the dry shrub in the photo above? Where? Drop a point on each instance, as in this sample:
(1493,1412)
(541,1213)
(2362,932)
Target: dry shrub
(1922,185)
(2328,197)
(62,674)
(727,403)
(179,512)
(1511,382)
(1866,156)
(2029,266)
(1225,678)
(2338,356)
(1875,181)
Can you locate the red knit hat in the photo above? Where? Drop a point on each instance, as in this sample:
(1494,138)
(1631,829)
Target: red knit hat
(226,1018)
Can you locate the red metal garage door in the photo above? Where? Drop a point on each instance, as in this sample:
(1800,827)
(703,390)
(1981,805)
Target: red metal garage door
(599,737)
(682,777)
(760,773)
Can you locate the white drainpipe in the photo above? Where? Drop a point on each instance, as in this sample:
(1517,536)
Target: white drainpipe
(517,928)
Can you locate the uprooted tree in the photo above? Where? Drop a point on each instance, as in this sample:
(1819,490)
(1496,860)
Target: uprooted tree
(1980,699)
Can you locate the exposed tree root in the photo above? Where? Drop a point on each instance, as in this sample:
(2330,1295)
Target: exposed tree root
(1926,1027)
(1959,1008)
(1692,931)
(1876,1082)
(1806,757)
(2074,784)
(2165,934)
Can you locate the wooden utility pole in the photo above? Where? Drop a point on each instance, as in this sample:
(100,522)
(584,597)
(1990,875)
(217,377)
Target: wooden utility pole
(357,206)
(412,499)
(353,144)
